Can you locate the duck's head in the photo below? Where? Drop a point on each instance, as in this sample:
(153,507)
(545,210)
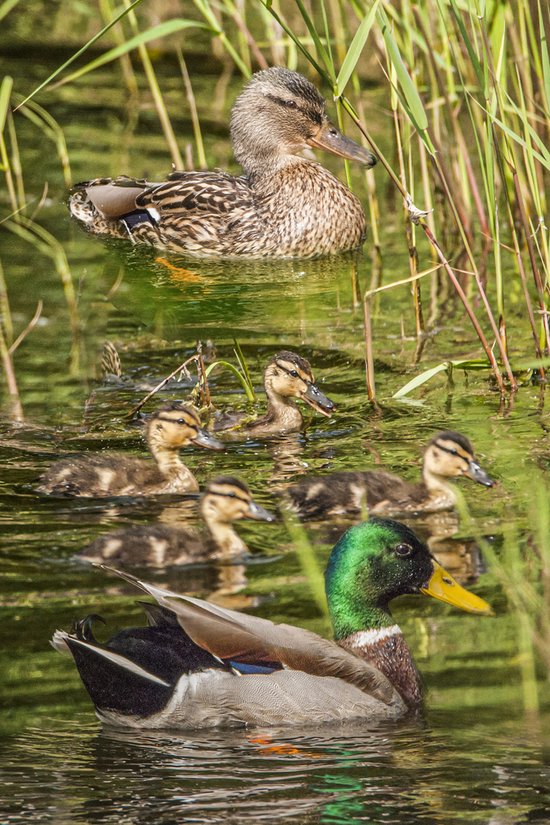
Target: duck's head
(176,425)
(226,499)
(279,113)
(378,560)
(288,375)
(451,455)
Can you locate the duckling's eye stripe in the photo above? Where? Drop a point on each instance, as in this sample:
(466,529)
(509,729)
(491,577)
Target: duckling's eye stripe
(452,451)
(190,424)
(229,495)
(289,371)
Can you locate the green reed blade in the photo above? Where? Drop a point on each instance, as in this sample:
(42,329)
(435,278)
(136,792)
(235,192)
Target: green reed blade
(156,32)
(236,372)
(6,7)
(296,40)
(308,561)
(77,54)
(355,49)
(410,98)
(5,97)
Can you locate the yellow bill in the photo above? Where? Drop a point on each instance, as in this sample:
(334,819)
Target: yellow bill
(442,586)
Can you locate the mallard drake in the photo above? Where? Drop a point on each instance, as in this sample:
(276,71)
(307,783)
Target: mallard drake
(286,376)
(200,665)
(283,206)
(170,428)
(448,455)
(224,501)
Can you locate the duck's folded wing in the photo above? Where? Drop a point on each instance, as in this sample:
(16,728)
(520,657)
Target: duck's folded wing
(238,637)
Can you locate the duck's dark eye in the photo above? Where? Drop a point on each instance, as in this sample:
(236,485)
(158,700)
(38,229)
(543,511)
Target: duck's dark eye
(291,104)
(293,373)
(180,421)
(403,550)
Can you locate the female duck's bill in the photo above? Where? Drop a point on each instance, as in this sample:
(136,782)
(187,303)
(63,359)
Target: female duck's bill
(201,665)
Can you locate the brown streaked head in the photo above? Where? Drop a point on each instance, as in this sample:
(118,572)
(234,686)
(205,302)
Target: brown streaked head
(280,112)
(228,499)
(290,376)
(451,455)
(176,425)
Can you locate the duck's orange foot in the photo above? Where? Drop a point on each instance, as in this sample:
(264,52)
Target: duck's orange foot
(267,746)
(178,273)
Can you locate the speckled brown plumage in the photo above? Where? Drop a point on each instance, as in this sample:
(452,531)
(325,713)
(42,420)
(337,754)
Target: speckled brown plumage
(283,206)
(448,455)
(224,501)
(169,429)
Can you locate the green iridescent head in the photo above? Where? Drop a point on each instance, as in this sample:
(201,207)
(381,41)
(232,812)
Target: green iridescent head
(376,561)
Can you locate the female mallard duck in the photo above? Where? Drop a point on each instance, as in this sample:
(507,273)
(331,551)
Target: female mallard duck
(200,665)
(283,206)
(286,376)
(448,455)
(169,429)
(224,501)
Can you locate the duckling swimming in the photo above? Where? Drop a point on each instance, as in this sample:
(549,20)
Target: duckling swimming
(283,206)
(286,376)
(448,455)
(224,501)
(199,665)
(169,429)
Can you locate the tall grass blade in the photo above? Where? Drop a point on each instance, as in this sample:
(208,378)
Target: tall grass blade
(80,51)
(355,49)
(157,32)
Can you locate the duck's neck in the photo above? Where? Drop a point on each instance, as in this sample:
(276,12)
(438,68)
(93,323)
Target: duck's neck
(386,649)
(227,541)
(171,466)
(363,624)
(282,412)
(438,487)
(370,632)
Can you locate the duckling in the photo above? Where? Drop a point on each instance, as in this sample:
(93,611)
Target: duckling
(225,500)
(170,428)
(286,376)
(200,665)
(448,455)
(283,206)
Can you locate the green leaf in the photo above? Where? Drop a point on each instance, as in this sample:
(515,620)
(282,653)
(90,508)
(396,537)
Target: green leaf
(232,368)
(356,47)
(162,30)
(418,380)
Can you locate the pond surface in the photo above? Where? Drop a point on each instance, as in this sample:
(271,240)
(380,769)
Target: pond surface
(481,754)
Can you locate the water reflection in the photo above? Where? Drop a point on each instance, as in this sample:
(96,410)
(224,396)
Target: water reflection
(413,773)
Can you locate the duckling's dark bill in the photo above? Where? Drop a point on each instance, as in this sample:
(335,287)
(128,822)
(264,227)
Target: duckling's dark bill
(258,513)
(318,400)
(443,587)
(330,139)
(205,439)
(477,473)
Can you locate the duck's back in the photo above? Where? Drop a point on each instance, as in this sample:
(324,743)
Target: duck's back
(103,475)
(153,545)
(301,210)
(347,492)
